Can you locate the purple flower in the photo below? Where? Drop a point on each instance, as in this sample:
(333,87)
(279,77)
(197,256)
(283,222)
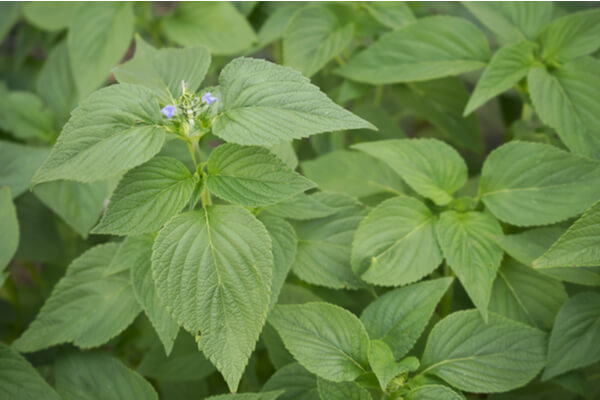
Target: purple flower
(168,111)
(208,98)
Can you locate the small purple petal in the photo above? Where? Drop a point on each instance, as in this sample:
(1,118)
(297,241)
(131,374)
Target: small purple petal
(168,111)
(208,98)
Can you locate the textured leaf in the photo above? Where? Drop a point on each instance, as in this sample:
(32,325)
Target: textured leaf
(325,244)
(99,36)
(51,15)
(163,70)
(579,246)
(536,184)
(296,381)
(327,340)
(120,120)
(252,176)
(525,295)
(432,47)
(399,317)
(575,335)
(147,197)
(395,243)
(433,392)
(19,380)
(18,165)
(468,243)
(480,357)
(314,36)
(571,36)
(24,115)
(9,227)
(86,375)
(145,292)
(218,259)
(264,104)
(354,173)
(383,364)
(513,20)
(303,207)
(394,15)
(566,100)
(248,396)
(341,391)
(286,153)
(87,307)
(216,25)
(431,167)
(507,67)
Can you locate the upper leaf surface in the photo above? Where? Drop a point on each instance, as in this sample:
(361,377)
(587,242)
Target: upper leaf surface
(433,392)
(9,226)
(298,383)
(341,391)
(18,165)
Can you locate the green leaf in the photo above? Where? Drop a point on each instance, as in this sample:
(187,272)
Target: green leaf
(431,167)
(383,364)
(513,20)
(298,383)
(147,197)
(507,67)
(275,25)
(264,104)
(575,335)
(341,391)
(468,243)
(9,226)
(314,36)
(18,165)
(352,172)
(286,153)
(571,36)
(120,120)
(394,15)
(565,99)
(19,380)
(248,396)
(217,259)
(525,295)
(184,364)
(578,247)
(303,206)
(395,243)
(325,244)
(85,375)
(327,340)
(480,357)
(9,15)
(51,15)
(24,115)
(252,176)
(433,392)
(399,317)
(217,25)
(78,204)
(87,306)
(145,292)
(99,36)
(432,47)
(536,184)
(163,70)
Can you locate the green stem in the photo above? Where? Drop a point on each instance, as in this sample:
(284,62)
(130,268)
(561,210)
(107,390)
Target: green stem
(446,303)
(205,196)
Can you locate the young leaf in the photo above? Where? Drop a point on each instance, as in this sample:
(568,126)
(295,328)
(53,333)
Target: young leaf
(296,381)
(469,246)
(579,246)
(85,375)
(432,47)
(525,295)
(399,317)
(383,364)
(395,243)
(571,36)
(87,306)
(480,357)
(217,25)
(327,340)
(50,15)
(314,36)
(513,21)
(536,184)
(20,380)
(304,207)
(163,70)
(508,66)
(147,197)
(433,392)
(119,121)
(18,165)
(9,226)
(264,104)
(217,259)
(565,99)
(575,335)
(99,36)
(252,176)
(431,167)
(341,391)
